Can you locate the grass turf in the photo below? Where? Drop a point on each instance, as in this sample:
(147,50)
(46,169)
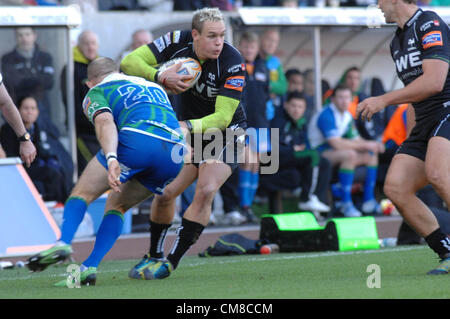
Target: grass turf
(294,275)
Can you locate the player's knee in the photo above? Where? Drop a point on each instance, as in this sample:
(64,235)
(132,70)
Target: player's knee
(166,197)
(435,176)
(393,190)
(351,157)
(206,192)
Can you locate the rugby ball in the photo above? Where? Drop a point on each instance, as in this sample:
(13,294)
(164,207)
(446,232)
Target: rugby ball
(189,66)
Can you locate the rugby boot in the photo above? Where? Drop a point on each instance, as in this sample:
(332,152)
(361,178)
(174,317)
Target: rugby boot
(45,258)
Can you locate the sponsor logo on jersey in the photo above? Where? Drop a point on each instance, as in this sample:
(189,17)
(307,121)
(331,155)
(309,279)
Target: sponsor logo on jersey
(411,44)
(167,39)
(236,68)
(429,24)
(86,103)
(176,36)
(159,43)
(235,83)
(432,39)
(408,60)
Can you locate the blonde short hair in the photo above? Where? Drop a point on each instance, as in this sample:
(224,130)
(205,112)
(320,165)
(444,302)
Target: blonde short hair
(205,14)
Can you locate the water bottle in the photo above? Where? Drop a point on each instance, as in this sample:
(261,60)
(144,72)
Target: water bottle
(388,242)
(269,249)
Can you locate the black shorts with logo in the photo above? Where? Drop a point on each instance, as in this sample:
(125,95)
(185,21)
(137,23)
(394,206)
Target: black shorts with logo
(417,142)
(224,146)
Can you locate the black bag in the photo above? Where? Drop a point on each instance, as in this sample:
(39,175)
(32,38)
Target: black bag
(233,244)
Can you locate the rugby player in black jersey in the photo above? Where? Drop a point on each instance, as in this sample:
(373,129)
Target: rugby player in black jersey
(212,103)
(421,52)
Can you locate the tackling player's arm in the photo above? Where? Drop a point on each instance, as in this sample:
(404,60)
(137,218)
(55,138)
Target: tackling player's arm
(98,111)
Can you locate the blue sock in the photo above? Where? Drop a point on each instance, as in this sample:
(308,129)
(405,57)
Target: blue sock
(254,182)
(74,210)
(369,183)
(108,232)
(244,187)
(346,181)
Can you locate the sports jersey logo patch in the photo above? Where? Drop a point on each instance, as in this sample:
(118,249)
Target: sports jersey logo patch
(86,103)
(432,39)
(235,83)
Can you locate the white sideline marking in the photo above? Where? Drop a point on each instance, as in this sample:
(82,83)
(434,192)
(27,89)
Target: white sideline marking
(238,260)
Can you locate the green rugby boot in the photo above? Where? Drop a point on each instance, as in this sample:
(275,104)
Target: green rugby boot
(48,257)
(88,277)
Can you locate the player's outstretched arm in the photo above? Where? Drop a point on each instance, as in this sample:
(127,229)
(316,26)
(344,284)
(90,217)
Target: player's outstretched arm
(12,116)
(431,82)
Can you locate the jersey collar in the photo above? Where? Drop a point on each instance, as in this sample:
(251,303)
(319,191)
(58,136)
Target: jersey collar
(415,16)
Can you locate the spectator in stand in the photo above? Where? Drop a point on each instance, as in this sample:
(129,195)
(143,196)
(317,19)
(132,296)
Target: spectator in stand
(278,82)
(188,5)
(309,89)
(295,152)
(84,52)
(139,37)
(289,3)
(29,70)
(255,98)
(46,171)
(333,133)
(296,83)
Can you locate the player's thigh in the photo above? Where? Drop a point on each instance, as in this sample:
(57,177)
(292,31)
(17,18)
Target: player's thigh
(406,174)
(211,176)
(336,156)
(437,160)
(186,177)
(131,193)
(93,181)
(366,158)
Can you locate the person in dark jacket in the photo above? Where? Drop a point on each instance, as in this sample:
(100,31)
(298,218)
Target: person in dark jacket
(85,52)
(29,70)
(295,152)
(47,173)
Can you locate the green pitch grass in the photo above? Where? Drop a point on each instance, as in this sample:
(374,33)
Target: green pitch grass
(295,275)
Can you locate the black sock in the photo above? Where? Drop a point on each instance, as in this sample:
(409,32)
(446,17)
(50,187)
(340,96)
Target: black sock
(158,234)
(439,242)
(188,233)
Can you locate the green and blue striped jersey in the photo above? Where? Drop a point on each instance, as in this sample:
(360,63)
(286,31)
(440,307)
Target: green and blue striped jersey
(136,104)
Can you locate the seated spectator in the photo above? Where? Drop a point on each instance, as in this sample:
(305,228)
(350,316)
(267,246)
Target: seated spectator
(139,37)
(332,131)
(46,172)
(29,70)
(296,83)
(296,153)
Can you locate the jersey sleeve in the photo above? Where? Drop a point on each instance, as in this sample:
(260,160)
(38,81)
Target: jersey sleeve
(232,79)
(164,47)
(433,33)
(94,104)
(327,125)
